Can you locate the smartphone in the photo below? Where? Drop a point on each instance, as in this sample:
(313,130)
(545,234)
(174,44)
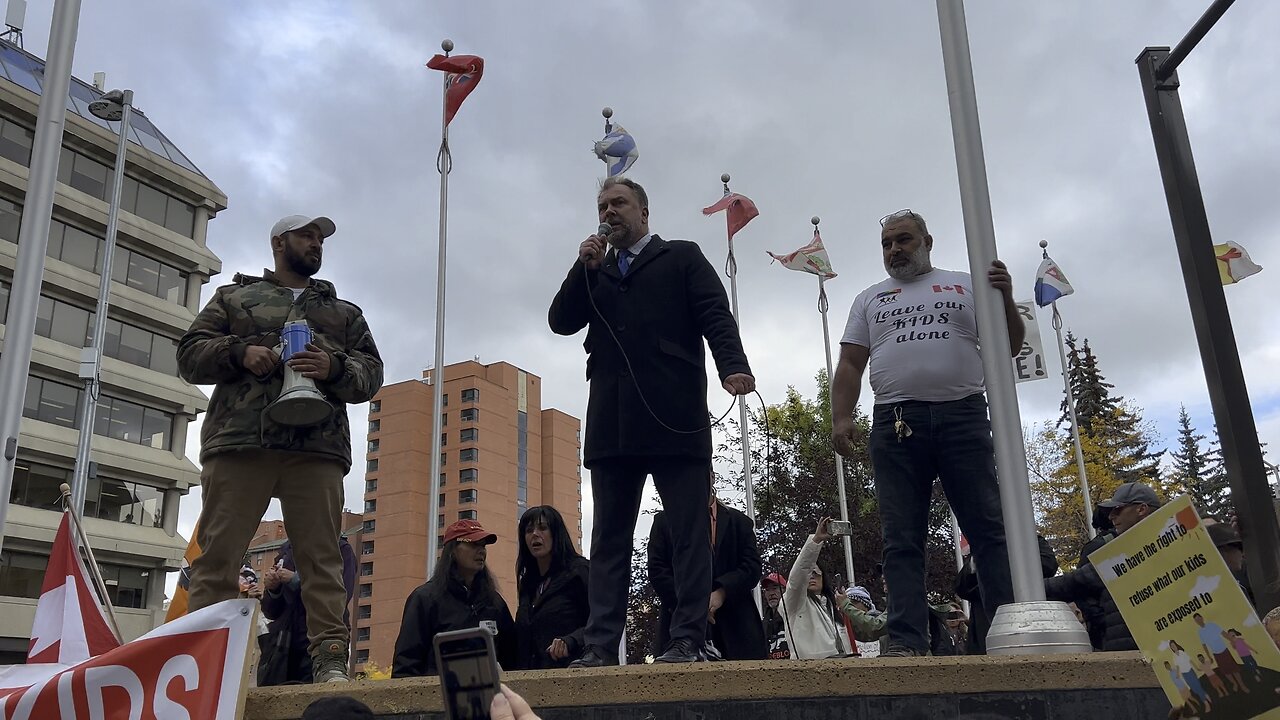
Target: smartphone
(468,668)
(840,527)
(839,582)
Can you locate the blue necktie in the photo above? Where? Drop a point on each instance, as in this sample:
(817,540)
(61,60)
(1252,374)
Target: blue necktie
(624,261)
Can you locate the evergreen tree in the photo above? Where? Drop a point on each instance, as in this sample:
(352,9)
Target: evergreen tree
(1116,443)
(1212,495)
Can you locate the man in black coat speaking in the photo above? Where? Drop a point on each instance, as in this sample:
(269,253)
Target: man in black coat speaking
(647,304)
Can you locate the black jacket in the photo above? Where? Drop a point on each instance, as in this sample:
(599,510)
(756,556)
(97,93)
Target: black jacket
(1095,616)
(735,566)
(428,611)
(561,612)
(1083,584)
(670,299)
(966,588)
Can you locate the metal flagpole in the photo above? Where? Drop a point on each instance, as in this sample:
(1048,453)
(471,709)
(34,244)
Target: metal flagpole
(15,362)
(742,399)
(444,164)
(1030,624)
(826,346)
(82,539)
(1071,409)
(109,105)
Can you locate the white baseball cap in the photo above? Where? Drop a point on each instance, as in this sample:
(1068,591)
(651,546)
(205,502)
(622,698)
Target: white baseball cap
(296,222)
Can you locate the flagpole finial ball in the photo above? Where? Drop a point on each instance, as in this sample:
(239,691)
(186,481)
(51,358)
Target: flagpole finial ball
(447,45)
(815,220)
(607,112)
(724,178)
(65,489)
(1044,244)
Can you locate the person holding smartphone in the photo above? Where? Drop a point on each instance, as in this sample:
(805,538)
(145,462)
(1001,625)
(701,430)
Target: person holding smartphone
(461,594)
(814,626)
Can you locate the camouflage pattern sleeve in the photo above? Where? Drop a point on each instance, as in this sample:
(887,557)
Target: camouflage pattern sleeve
(358,368)
(208,353)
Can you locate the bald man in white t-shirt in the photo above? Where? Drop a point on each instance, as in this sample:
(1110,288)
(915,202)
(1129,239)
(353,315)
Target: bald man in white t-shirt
(919,331)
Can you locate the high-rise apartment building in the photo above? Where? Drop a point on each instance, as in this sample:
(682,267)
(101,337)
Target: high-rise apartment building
(502,453)
(140,432)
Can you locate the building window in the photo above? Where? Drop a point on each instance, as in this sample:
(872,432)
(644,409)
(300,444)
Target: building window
(375,425)
(371,485)
(470,414)
(373,445)
(371,465)
(522,462)
(468,455)
(364,612)
(468,515)
(440,501)
(16,142)
(366,569)
(470,395)
(362,633)
(36,485)
(444,400)
(444,458)
(442,476)
(22,573)
(126,585)
(366,547)
(367,527)
(469,435)
(444,419)
(467,496)
(362,654)
(53,402)
(468,475)
(444,439)
(440,523)
(375,406)
(366,591)
(370,506)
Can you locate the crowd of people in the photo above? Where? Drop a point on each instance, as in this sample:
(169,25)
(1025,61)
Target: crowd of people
(651,308)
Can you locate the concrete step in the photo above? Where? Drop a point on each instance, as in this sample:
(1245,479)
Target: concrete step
(1114,686)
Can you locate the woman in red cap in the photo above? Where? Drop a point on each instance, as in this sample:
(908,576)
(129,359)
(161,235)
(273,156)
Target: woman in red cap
(460,595)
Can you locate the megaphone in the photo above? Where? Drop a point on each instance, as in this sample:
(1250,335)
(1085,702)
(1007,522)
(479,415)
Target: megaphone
(300,403)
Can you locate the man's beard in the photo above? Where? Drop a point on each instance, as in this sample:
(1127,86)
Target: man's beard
(622,236)
(917,264)
(300,263)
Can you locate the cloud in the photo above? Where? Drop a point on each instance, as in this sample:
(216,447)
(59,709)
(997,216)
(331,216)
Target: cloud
(1205,584)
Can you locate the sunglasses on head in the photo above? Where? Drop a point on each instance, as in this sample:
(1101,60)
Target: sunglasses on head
(899,215)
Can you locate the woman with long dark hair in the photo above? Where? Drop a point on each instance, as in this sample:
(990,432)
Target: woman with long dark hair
(814,623)
(552,581)
(461,594)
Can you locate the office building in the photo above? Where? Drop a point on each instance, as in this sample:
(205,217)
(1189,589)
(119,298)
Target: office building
(140,432)
(502,453)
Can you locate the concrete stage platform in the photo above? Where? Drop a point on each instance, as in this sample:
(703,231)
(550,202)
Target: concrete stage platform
(1114,686)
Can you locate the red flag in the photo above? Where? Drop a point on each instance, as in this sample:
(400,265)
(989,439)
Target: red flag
(70,626)
(741,211)
(463,73)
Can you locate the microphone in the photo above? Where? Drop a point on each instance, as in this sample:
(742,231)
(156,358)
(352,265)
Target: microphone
(604,230)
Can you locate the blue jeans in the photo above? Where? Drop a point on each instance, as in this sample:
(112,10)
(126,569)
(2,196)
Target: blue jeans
(950,441)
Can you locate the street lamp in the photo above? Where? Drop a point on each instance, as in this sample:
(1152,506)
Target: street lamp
(114,106)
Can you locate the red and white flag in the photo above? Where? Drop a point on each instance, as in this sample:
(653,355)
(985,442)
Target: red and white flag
(741,211)
(191,668)
(71,626)
(811,258)
(462,74)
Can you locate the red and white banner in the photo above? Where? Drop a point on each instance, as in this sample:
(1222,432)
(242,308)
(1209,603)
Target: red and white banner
(190,669)
(70,625)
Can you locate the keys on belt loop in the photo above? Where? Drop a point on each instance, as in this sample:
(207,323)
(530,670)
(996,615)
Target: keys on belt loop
(900,427)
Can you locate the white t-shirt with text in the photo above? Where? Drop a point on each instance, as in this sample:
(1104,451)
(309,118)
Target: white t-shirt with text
(923,337)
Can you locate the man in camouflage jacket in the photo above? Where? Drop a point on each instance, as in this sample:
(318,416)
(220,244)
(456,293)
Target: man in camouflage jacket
(247,459)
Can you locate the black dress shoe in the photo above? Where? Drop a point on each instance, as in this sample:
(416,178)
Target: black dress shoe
(593,657)
(681,651)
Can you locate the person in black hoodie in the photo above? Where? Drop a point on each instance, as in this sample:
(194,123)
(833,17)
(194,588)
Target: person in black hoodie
(552,581)
(460,595)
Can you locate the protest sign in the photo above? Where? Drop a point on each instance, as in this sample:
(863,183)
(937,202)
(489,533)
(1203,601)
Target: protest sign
(1029,364)
(1190,617)
(193,667)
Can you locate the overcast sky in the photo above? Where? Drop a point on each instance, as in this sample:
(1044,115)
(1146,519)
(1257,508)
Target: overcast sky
(829,108)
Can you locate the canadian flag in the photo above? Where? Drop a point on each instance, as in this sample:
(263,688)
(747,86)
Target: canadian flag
(70,625)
